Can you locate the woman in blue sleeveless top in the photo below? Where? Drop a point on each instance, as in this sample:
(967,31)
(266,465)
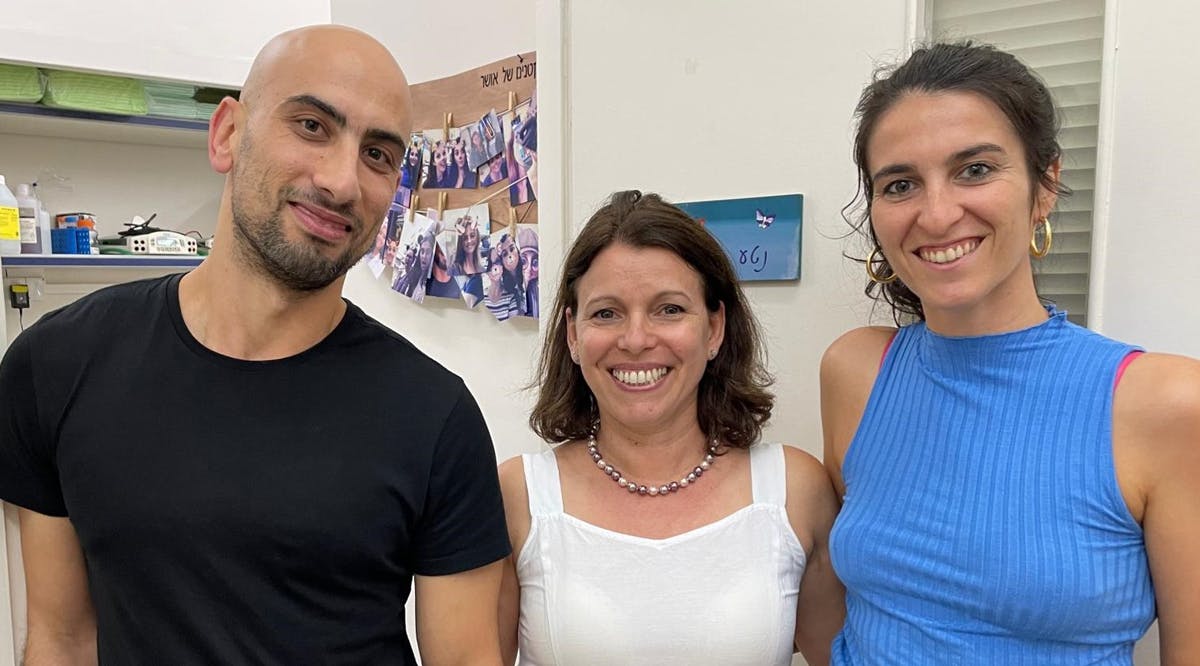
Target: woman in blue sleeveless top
(1016,489)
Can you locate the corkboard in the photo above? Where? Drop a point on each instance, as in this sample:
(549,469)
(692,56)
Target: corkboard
(468,96)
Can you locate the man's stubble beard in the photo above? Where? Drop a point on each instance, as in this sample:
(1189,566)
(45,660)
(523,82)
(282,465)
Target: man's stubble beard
(262,243)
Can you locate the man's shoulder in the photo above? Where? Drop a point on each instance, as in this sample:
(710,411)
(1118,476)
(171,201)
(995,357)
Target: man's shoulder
(113,307)
(392,353)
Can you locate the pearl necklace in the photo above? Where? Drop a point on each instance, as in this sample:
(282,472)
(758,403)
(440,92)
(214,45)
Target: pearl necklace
(652,491)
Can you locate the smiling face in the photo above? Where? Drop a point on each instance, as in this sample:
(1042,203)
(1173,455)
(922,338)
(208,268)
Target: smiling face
(529,270)
(441,266)
(509,254)
(953,207)
(495,271)
(312,153)
(643,334)
(469,235)
(426,253)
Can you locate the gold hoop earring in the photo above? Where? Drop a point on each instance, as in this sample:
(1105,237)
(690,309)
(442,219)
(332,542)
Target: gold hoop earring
(871,271)
(1034,250)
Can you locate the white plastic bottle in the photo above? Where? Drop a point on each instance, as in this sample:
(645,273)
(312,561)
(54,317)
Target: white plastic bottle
(44,230)
(45,223)
(29,209)
(10,222)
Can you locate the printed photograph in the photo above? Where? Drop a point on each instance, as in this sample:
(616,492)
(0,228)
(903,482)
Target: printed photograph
(497,168)
(526,145)
(462,175)
(476,148)
(416,162)
(392,227)
(527,243)
(493,134)
(414,257)
(403,196)
(471,225)
(472,285)
(397,215)
(517,158)
(503,294)
(441,283)
(495,171)
(375,257)
(437,176)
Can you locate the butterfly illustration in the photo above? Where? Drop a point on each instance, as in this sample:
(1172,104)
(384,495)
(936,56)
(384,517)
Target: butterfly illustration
(764,219)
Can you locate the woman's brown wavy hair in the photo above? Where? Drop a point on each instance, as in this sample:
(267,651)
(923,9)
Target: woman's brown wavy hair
(733,402)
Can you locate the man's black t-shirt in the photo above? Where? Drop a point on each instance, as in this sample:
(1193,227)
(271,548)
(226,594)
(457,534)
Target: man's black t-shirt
(236,512)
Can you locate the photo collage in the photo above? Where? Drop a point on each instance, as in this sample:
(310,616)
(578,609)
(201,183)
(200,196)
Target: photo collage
(454,254)
(499,147)
(454,258)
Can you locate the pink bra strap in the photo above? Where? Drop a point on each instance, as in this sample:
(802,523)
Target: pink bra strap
(887,347)
(1125,364)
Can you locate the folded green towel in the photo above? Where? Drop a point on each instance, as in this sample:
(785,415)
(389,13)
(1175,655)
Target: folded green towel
(21,83)
(204,111)
(95,92)
(168,89)
(174,108)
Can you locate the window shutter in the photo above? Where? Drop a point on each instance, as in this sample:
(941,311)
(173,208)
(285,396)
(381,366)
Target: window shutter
(1062,40)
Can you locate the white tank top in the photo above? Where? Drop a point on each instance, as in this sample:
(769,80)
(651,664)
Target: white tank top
(724,593)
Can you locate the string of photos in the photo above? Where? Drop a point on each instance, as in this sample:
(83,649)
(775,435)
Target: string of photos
(453,253)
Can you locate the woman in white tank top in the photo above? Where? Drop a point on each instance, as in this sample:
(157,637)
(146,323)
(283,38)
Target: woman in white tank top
(655,534)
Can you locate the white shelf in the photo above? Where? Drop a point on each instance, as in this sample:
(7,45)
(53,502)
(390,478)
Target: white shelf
(99,261)
(37,120)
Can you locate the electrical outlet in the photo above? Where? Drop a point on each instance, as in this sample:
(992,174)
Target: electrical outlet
(18,296)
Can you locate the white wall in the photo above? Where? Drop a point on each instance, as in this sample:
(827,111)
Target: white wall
(433,40)
(205,42)
(1150,289)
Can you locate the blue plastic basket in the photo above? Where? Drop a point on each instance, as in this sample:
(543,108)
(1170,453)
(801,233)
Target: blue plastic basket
(71,240)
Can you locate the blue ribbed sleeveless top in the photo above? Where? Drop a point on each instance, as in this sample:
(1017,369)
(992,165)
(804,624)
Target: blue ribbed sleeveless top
(982,521)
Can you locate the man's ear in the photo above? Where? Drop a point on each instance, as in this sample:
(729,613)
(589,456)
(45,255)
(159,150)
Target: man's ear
(224,130)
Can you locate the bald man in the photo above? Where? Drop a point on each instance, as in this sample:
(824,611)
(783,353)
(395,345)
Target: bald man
(239,466)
